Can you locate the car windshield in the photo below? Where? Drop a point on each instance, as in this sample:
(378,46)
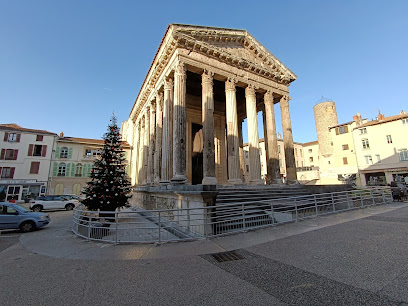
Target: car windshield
(20,208)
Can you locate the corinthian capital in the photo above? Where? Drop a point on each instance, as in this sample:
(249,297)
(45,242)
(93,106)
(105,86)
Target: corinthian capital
(180,69)
(207,76)
(168,84)
(250,90)
(230,84)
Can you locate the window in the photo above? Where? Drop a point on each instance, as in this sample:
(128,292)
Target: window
(88,152)
(11,137)
(35,167)
(279,149)
(405,121)
(301,154)
(296,152)
(368,159)
(389,139)
(341,130)
(403,155)
(39,138)
(7,172)
(246,154)
(363,131)
(310,159)
(61,169)
(9,154)
(247,168)
(310,150)
(365,143)
(345,162)
(377,156)
(78,170)
(96,152)
(37,150)
(345,147)
(64,152)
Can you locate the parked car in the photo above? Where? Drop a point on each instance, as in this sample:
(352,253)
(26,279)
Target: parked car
(13,216)
(53,202)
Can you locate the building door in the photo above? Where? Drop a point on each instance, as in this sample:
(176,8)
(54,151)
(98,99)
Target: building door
(197,154)
(14,193)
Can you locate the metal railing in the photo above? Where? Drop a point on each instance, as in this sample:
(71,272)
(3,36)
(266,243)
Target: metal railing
(147,226)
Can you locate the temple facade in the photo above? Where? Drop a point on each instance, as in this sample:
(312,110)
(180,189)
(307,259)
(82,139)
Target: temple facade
(185,127)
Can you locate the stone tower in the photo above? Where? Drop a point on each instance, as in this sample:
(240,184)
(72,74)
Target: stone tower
(325,116)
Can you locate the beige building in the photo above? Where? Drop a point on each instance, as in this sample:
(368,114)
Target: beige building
(185,126)
(382,149)
(72,163)
(24,161)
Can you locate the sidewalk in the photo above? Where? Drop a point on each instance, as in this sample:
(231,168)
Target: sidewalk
(58,241)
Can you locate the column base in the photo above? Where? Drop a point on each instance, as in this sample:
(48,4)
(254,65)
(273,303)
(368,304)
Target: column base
(257,182)
(234,182)
(167,182)
(209,180)
(179,179)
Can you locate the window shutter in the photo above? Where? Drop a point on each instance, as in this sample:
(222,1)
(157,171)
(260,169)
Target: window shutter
(337,131)
(3,152)
(55,170)
(5,136)
(12,172)
(83,172)
(18,137)
(35,166)
(57,152)
(346,129)
(44,151)
(69,153)
(73,169)
(30,150)
(68,167)
(15,154)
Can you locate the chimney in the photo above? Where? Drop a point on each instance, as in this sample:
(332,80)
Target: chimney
(380,117)
(62,134)
(357,119)
(403,112)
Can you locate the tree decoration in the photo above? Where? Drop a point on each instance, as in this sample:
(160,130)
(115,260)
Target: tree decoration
(108,179)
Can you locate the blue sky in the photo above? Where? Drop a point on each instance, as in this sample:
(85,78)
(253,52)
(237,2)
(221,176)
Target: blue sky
(66,65)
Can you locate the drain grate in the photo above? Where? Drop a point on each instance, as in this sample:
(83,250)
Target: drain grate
(227,256)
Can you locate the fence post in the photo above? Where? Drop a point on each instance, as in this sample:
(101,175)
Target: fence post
(89,226)
(315,201)
(383,196)
(361,198)
(116,227)
(348,199)
(297,214)
(273,216)
(159,228)
(332,198)
(372,196)
(243,217)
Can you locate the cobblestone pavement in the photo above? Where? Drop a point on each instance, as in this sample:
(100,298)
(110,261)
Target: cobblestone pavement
(352,258)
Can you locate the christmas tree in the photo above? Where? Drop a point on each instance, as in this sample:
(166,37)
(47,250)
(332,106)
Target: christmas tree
(109,187)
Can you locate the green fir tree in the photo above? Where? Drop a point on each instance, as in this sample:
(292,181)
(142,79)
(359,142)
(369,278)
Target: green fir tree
(109,187)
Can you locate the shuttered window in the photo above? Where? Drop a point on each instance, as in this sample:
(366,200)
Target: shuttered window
(35,167)
(7,172)
(39,138)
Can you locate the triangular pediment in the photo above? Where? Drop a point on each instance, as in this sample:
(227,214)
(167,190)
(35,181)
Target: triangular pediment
(232,46)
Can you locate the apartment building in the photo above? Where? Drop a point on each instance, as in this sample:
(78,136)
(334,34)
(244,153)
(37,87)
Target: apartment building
(24,161)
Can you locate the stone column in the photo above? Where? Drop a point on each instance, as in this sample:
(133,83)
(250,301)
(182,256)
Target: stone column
(135,154)
(179,125)
(288,140)
(140,152)
(159,133)
(234,175)
(146,141)
(152,133)
(271,141)
(208,129)
(253,136)
(241,150)
(167,140)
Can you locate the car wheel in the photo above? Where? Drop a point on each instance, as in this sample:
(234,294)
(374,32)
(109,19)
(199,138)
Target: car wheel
(69,207)
(37,208)
(27,226)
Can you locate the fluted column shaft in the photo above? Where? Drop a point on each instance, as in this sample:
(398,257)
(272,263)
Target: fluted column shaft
(241,150)
(140,152)
(135,154)
(179,125)
(253,136)
(288,140)
(159,132)
(208,129)
(271,141)
(146,141)
(167,140)
(152,140)
(234,171)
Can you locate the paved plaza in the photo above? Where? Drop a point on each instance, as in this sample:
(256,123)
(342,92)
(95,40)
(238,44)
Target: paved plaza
(352,258)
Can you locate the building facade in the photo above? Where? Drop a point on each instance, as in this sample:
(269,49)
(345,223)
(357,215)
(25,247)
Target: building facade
(24,161)
(72,163)
(186,124)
